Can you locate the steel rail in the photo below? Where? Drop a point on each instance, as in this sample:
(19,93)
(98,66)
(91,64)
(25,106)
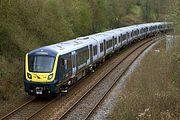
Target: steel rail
(86,93)
(16,114)
(15,110)
(100,100)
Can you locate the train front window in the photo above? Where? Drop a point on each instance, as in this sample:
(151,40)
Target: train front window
(42,64)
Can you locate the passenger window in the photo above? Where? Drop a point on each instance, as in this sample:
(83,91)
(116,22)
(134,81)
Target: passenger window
(116,40)
(101,47)
(124,37)
(81,59)
(110,43)
(78,59)
(69,64)
(87,54)
(95,50)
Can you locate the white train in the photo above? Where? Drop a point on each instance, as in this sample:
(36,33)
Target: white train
(51,68)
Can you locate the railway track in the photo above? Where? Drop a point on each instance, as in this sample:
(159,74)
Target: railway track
(28,109)
(84,107)
(36,105)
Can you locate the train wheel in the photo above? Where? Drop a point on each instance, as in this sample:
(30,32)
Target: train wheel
(71,82)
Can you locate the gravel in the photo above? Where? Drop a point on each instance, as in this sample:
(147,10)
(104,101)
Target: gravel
(110,101)
(57,108)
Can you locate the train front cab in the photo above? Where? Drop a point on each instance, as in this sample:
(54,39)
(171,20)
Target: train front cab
(41,73)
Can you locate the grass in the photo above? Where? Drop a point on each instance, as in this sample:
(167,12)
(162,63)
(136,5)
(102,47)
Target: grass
(152,91)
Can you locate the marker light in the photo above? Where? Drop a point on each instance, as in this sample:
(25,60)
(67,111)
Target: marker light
(50,76)
(29,76)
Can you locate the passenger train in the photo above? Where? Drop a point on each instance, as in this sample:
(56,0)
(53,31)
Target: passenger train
(51,69)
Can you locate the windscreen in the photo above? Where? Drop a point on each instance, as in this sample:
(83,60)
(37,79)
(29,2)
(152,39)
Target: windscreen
(41,64)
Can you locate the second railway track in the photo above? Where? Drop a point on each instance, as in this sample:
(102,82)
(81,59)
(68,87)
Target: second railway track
(82,109)
(28,109)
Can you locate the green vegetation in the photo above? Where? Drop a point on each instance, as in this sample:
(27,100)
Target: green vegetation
(152,91)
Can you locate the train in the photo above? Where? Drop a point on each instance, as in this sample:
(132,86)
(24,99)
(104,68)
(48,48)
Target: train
(51,69)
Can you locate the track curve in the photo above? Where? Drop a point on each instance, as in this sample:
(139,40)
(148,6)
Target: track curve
(83,108)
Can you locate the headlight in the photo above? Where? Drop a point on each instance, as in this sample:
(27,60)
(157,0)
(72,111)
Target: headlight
(29,76)
(50,76)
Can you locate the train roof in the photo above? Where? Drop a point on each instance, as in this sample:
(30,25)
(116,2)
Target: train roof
(71,45)
(65,47)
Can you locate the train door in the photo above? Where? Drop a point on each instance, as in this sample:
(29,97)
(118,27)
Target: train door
(74,64)
(91,54)
(127,38)
(116,42)
(104,42)
(121,39)
(66,65)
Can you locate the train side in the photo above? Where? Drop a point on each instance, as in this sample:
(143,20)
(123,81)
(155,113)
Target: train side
(51,69)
